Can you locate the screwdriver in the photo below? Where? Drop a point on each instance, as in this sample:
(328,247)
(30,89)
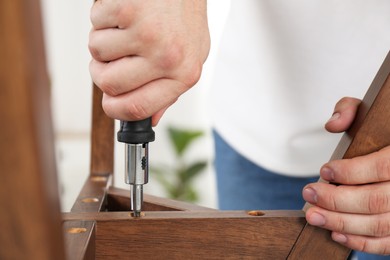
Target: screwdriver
(136,135)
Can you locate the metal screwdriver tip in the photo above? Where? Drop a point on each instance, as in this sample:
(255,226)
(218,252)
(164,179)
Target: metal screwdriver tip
(137,214)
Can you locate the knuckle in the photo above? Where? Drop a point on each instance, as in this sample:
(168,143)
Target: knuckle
(105,83)
(148,35)
(136,111)
(193,74)
(381,227)
(172,56)
(93,46)
(94,51)
(340,225)
(124,14)
(368,245)
(341,103)
(332,200)
(378,202)
(364,246)
(108,107)
(384,250)
(382,166)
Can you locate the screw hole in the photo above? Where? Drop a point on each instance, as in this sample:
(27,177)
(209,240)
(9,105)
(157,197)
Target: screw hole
(98,178)
(76,230)
(256,213)
(142,214)
(90,200)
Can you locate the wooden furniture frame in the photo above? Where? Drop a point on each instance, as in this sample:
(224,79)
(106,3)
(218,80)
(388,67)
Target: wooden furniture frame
(98,226)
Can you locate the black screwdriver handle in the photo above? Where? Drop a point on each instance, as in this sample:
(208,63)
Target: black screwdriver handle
(136,132)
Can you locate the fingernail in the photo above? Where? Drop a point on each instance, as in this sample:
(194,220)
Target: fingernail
(327,174)
(316,219)
(335,116)
(310,195)
(340,238)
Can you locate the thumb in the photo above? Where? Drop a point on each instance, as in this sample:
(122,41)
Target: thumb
(343,115)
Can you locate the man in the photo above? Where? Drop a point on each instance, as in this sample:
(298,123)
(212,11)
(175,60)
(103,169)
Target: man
(147,53)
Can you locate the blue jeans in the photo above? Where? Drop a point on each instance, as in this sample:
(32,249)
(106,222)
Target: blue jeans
(242,185)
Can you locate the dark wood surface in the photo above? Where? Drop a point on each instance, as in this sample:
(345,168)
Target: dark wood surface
(102,137)
(30,220)
(92,197)
(119,200)
(79,239)
(194,234)
(369,133)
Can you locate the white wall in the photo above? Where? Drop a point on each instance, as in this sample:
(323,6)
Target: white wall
(66,30)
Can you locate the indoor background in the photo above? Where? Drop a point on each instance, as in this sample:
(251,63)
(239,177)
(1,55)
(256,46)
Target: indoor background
(66,25)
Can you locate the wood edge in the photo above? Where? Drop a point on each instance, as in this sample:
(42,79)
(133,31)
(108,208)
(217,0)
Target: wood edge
(163,203)
(340,152)
(127,215)
(79,237)
(92,197)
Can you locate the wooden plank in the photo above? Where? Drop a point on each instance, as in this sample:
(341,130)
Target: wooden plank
(231,214)
(102,137)
(194,234)
(369,132)
(92,197)
(119,200)
(30,212)
(79,239)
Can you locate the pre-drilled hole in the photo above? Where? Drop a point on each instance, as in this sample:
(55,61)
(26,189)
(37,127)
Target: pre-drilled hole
(98,178)
(90,200)
(256,213)
(142,214)
(77,230)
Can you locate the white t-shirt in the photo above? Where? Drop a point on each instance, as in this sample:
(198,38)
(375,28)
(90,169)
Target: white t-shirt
(282,67)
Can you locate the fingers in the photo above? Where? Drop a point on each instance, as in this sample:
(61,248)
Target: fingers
(123,75)
(364,199)
(112,44)
(111,14)
(374,167)
(146,54)
(144,101)
(157,116)
(343,115)
(356,224)
(373,245)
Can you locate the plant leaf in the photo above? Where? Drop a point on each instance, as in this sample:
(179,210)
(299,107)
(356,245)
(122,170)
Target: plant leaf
(193,170)
(160,174)
(182,138)
(190,195)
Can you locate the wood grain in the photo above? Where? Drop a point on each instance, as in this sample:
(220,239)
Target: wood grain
(102,137)
(194,234)
(92,197)
(30,212)
(79,239)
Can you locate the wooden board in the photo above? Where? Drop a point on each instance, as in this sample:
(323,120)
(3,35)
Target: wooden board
(29,206)
(102,137)
(194,234)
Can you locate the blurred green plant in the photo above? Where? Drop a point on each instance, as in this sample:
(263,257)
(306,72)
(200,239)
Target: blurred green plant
(177,179)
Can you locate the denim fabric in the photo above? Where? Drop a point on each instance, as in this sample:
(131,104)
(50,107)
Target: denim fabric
(242,185)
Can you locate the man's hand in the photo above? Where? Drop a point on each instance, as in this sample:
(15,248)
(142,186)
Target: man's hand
(358,210)
(146,53)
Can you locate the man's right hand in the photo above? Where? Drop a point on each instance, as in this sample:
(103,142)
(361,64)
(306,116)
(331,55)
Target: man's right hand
(146,53)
